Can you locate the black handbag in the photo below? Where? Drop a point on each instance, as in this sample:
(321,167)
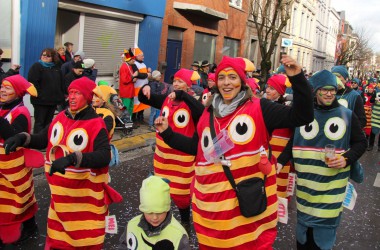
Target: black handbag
(250,193)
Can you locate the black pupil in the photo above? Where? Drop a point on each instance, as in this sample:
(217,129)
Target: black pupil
(308,127)
(55,133)
(241,129)
(181,118)
(333,128)
(206,141)
(78,140)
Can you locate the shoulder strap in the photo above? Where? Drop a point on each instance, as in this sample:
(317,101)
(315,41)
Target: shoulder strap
(226,169)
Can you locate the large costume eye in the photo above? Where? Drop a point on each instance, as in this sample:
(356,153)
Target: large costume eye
(56,134)
(335,128)
(366,90)
(77,140)
(378,95)
(132,243)
(310,130)
(242,129)
(181,118)
(366,98)
(343,102)
(206,140)
(165,112)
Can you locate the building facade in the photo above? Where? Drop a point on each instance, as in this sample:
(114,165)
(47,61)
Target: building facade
(333,29)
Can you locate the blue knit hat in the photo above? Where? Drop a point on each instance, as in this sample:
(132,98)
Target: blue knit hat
(280,69)
(341,70)
(322,79)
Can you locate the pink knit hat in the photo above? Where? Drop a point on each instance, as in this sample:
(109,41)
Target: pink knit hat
(85,86)
(187,76)
(278,81)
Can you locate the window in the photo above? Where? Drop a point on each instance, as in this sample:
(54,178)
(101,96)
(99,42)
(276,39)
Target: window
(230,47)
(252,50)
(204,47)
(236,3)
(175,34)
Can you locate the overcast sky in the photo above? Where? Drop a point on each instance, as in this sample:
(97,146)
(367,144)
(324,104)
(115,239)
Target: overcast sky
(362,14)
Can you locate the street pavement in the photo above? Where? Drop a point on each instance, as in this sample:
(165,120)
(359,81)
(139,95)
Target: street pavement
(359,229)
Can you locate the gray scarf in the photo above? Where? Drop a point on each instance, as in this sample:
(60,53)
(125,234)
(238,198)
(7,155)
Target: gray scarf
(221,109)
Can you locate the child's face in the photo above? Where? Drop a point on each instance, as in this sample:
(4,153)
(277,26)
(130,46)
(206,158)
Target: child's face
(155,219)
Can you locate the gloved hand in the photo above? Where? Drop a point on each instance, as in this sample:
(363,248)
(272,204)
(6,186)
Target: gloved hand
(60,164)
(13,142)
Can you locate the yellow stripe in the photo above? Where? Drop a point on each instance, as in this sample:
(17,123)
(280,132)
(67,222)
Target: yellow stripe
(282,182)
(333,198)
(320,170)
(177,191)
(278,141)
(77,225)
(183,158)
(79,207)
(282,194)
(176,179)
(227,204)
(16,210)
(19,175)
(81,176)
(12,163)
(318,186)
(173,167)
(62,236)
(20,188)
(313,155)
(239,240)
(73,192)
(320,213)
(17,198)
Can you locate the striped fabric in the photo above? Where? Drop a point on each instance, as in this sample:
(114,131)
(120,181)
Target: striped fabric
(320,189)
(138,106)
(375,118)
(17,200)
(104,112)
(172,164)
(76,217)
(216,213)
(280,138)
(368,114)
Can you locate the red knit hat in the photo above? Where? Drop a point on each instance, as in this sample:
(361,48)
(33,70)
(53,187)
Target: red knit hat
(238,64)
(278,81)
(252,83)
(187,75)
(21,85)
(211,76)
(85,86)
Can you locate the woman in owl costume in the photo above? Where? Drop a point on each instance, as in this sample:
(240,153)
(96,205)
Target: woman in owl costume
(369,96)
(76,168)
(17,204)
(183,112)
(247,121)
(321,186)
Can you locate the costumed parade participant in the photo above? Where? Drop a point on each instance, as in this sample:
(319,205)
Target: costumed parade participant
(322,177)
(100,101)
(375,123)
(369,97)
(221,221)
(156,227)
(18,204)
(275,91)
(76,169)
(209,91)
(183,112)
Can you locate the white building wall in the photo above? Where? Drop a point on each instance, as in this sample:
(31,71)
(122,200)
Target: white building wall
(333,24)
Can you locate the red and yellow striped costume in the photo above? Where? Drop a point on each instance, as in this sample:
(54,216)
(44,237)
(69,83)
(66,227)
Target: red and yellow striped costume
(216,214)
(368,113)
(173,164)
(76,218)
(17,200)
(280,138)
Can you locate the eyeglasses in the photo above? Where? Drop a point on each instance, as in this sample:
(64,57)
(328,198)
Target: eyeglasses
(324,91)
(45,55)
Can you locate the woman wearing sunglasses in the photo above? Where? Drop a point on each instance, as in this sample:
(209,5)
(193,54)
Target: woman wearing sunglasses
(47,78)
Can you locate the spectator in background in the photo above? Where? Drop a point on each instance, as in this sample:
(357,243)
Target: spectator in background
(47,78)
(75,73)
(69,64)
(159,88)
(12,71)
(61,54)
(205,67)
(69,51)
(89,69)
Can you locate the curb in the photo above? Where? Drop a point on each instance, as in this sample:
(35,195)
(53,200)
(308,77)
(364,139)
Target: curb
(134,142)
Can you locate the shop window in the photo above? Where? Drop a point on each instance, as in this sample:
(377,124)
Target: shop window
(230,47)
(204,47)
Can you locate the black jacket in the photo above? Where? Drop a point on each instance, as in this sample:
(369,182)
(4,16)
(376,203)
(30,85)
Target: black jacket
(49,84)
(4,74)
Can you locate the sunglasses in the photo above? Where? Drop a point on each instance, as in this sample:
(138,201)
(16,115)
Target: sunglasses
(46,55)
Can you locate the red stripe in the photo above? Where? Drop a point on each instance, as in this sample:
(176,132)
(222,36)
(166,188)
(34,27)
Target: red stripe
(181,201)
(78,234)
(80,200)
(80,216)
(11,156)
(61,181)
(58,244)
(15,204)
(173,161)
(174,173)
(17,184)
(14,218)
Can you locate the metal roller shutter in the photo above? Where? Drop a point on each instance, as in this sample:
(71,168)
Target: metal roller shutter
(104,40)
